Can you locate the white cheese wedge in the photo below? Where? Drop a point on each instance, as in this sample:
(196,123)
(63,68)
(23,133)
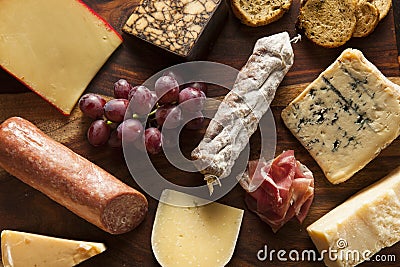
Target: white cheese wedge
(361,226)
(346,116)
(19,249)
(54,47)
(194,236)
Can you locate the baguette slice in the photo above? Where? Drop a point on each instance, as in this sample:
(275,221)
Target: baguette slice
(383,7)
(367,16)
(328,23)
(259,12)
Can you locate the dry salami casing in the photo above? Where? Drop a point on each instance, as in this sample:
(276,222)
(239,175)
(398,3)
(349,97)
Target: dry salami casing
(238,115)
(69,179)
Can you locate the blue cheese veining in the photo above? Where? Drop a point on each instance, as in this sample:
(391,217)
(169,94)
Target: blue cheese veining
(346,116)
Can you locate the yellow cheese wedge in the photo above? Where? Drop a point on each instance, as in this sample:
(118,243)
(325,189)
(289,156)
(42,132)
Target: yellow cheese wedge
(19,249)
(194,236)
(54,47)
(361,226)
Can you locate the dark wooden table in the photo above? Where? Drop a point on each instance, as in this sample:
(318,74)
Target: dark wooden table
(23,208)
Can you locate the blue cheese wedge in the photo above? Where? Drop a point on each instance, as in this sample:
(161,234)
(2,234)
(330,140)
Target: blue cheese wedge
(360,227)
(21,249)
(346,116)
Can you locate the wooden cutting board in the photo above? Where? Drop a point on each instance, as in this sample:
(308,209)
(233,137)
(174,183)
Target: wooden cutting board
(24,208)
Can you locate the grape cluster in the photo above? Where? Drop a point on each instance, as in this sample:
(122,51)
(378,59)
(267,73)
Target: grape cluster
(165,108)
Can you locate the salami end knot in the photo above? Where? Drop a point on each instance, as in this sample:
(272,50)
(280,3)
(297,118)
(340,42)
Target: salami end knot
(211,181)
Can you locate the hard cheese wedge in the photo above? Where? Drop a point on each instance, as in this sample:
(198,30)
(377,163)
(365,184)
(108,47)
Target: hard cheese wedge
(19,249)
(54,47)
(346,116)
(361,226)
(194,236)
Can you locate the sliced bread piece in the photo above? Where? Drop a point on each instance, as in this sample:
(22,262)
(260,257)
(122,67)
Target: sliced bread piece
(328,23)
(259,12)
(367,16)
(383,7)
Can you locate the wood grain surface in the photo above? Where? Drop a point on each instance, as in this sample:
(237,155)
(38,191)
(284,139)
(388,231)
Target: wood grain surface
(25,209)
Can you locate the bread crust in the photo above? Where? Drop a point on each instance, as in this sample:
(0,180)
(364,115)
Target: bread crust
(383,7)
(367,15)
(240,11)
(328,23)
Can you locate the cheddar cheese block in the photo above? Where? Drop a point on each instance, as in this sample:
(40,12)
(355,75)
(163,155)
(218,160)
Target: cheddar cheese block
(54,47)
(191,235)
(19,249)
(363,225)
(346,116)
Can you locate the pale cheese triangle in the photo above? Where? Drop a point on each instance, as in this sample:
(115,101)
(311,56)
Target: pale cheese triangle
(194,236)
(20,249)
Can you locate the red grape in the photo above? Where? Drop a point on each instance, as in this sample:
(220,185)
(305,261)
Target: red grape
(170,137)
(174,75)
(98,133)
(167,90)
(114,141)
(130,130)
(194,97)
(153,140)
(142,100)
(196,122)
(199,85)
(92,105)
(139,143)
(132,91)
(169,116)
(121,89)
(115,109)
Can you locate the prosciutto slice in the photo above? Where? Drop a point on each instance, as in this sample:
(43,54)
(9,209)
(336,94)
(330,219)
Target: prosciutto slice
(278,190)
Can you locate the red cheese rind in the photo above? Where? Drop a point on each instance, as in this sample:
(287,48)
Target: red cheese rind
(68,178)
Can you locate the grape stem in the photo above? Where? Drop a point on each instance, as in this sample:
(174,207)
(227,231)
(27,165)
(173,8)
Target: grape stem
(152,113)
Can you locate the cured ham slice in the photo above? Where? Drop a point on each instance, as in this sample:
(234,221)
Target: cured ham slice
(278,190)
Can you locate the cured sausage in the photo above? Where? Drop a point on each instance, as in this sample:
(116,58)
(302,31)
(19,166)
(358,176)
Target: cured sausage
(238,115)
(69,179)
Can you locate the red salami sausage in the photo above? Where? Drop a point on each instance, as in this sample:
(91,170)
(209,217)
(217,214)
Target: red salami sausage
(69,179)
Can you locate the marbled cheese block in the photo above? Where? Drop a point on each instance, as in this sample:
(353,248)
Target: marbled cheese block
(360,227)
(346,116)
(177,25)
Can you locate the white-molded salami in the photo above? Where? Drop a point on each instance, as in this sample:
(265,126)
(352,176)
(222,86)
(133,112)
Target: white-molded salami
(238,115)
(68,178)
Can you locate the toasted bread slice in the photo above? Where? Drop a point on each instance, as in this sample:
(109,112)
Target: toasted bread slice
(383,7)
(367,16)
(259,12)
(328,23)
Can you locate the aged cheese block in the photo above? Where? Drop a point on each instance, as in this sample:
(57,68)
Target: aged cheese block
(19,249)
(183,27)
(346,116)
(361,226)
(194,236)
(54,47)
